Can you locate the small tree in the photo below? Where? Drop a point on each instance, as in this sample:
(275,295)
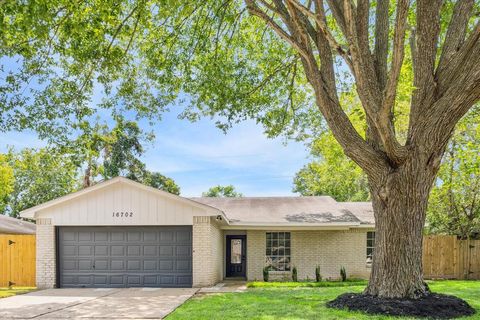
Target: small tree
(318,276)
(343,274)
(294,274)
(266,274)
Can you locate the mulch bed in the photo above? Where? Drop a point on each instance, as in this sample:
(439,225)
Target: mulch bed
(434,306)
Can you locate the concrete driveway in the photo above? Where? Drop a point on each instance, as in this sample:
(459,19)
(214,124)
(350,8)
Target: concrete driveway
(132,303)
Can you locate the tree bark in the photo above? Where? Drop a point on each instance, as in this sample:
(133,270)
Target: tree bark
(399,201)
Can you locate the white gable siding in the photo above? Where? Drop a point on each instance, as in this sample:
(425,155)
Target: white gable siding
(96,209)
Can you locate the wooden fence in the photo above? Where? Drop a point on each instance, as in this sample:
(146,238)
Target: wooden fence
(17,260)
(446,257)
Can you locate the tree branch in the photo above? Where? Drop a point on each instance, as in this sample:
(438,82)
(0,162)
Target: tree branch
(320,20)
(456,30)
(323,82)
(427,31)
(254,10)
(381,41)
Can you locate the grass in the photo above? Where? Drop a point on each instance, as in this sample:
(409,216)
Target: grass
(301,302)
(6,292)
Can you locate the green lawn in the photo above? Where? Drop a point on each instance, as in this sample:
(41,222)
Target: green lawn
(300,302)
(5,292)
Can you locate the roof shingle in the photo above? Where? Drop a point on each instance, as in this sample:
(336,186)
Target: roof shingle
(298,210)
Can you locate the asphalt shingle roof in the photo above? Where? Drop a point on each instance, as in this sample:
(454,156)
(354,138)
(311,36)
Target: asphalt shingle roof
(11,225)
(318,209)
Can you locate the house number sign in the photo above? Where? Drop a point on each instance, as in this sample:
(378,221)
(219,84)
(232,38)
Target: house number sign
(122,214)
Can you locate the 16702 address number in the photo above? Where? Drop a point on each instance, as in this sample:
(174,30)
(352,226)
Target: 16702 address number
(121,214)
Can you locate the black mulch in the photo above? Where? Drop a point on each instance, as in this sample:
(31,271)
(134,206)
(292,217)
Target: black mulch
(434,306)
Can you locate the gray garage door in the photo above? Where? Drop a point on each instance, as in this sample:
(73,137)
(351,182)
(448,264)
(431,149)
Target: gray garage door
(125,256)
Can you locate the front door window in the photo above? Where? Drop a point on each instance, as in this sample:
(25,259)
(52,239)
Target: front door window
(236,256)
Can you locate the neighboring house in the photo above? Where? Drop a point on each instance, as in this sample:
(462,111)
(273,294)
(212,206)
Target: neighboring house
(120,233)
(9,225)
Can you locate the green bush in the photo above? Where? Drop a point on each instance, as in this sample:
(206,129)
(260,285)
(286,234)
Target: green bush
(294,274)
(265,273)
(343,274)
(318,276)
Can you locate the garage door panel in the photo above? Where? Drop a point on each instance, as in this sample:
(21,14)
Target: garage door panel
(117,250)
(70,250)
(101,250)
(133,250)
(166,251)
(183,251)
(184,265)
(85,250)
(150,236)
(84,236)
(125,256)
(150,251)
(101,236)
(117,236)
(134,236)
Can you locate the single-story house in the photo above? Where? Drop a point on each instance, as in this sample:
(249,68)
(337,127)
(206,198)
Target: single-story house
(120,233)
(9,225)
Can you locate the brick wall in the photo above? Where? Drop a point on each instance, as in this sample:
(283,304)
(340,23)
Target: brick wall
(46,264)
(207,252)
(329,249)
(256,246)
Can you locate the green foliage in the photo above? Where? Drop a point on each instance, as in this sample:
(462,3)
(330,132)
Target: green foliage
(318,275)
(108,153)
(121,149)
(294,274)
(343,274)
(331,173)
(159,181)
(454,206)
(40,175)
(210,57)
(266,274)
(222,192)
(6,182)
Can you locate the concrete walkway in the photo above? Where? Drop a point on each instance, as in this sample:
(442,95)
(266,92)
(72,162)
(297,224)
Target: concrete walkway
(226,286)
(132,303)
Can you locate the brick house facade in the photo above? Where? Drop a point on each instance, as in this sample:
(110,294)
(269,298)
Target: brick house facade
(120,233)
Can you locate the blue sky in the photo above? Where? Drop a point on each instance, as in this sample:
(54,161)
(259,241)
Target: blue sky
(199,155)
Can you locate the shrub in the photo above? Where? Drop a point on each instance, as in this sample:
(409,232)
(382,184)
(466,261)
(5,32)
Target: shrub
(265,273)
(318,276)
(294,274)
(343,274)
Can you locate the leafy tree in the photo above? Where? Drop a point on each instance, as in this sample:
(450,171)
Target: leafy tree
(222,192)
(6,182)
(331,173)
(116,152)
(159,181)
(454,206)
(284,63)
(122,147)
(40,175)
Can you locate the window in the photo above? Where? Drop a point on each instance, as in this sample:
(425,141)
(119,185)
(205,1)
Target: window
(370,246)
(236,251)
(278,251)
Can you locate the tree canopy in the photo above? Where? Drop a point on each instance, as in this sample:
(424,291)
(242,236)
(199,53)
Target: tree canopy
(39,176)
(222,192)
(331,173)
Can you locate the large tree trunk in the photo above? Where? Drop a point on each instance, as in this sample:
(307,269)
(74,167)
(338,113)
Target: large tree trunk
(399,200)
